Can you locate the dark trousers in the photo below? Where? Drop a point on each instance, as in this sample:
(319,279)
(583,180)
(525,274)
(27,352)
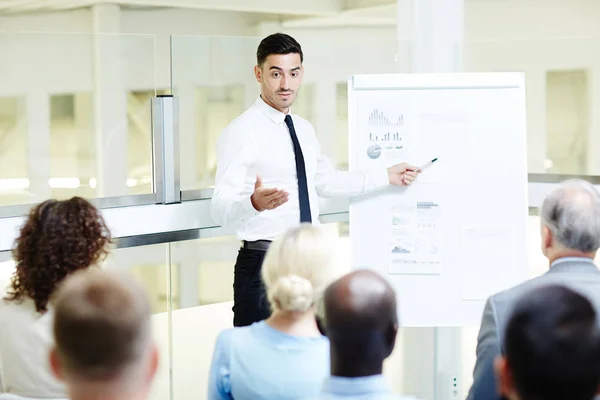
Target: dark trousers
(250,303)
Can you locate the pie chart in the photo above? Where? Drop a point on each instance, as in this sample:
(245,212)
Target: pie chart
(374,151)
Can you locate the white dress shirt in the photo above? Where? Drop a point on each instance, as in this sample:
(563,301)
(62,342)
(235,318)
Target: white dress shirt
(258,143)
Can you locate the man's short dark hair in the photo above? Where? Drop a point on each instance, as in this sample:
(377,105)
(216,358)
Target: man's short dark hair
(552,346)
(277,43)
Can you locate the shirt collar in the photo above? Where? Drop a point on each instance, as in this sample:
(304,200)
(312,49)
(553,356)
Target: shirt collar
(571,260)
(356,386)
(573,265)
(274,115)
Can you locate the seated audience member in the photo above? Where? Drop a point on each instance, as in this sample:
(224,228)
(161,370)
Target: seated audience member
(551,348)
(361,322)
(284,356)
(103,339)
(570,233)
(58,238)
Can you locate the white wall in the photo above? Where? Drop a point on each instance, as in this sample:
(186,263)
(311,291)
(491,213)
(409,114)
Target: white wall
(536,36)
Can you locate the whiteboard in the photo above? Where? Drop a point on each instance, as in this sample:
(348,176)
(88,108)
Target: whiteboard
(457,235)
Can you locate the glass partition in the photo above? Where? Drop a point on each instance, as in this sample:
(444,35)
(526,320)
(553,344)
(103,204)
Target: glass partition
(214,80)
(151,266)
(74,116)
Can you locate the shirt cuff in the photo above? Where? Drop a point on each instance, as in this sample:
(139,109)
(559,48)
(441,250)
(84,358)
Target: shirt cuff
(377,179)
(249,209)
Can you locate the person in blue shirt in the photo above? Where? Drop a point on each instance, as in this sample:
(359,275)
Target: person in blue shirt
(284,356)
(361,322)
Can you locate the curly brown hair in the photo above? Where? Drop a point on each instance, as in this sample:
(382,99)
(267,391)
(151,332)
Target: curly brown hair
(59,237)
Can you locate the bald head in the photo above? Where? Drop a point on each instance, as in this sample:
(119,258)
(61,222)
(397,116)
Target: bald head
(361,321)
(571,213)
(361,299)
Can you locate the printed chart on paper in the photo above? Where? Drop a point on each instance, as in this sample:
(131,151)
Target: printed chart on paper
(416,238)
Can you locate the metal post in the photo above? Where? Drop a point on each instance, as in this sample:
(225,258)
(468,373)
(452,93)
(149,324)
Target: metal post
(165,149)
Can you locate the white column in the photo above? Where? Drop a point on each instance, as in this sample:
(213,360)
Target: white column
(594,138)
(324,103)
(38,128)
(434,30)
(264,29)
(110,103)
(188,132)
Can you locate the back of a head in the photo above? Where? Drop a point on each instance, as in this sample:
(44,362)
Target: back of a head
(360,315)
(277,43)
(552,346)
(58,238)
(298,267)
(572,213)
(101,327)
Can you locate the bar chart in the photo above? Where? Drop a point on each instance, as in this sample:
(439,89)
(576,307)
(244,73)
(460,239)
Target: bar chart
(378,118)
(385,137)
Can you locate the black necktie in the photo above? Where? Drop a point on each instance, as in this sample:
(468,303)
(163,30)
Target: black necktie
(300,173)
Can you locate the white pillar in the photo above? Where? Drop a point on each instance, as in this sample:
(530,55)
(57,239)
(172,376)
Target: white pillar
(264,29)
(38,128)
(188,133)
(594,130)
(110,103)
(324,103)
(434,30)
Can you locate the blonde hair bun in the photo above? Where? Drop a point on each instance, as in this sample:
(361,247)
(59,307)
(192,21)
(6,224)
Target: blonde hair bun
(292,293)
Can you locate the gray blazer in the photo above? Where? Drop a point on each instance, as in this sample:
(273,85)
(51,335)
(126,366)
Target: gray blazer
(579,274)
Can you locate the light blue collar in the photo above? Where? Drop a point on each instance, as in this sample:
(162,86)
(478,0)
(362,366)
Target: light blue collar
(356,386)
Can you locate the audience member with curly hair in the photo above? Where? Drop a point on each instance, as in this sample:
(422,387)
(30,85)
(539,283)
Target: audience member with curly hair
(58,238)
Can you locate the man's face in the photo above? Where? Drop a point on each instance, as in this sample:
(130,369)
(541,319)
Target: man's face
(280,77)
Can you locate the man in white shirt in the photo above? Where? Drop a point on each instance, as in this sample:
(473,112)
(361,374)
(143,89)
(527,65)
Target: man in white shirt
(270,172)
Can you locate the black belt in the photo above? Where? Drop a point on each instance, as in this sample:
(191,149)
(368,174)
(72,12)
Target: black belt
(262,245)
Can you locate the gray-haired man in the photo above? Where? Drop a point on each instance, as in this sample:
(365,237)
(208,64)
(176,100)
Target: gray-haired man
(570,230)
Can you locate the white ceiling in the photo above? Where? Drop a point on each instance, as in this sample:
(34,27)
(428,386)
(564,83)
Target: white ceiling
(294,14)
(308,8)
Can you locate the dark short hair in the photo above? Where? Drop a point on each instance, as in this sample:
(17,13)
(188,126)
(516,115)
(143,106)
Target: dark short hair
(277,43)
(552,345)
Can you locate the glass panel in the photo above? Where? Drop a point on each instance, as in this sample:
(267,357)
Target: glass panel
(561,78)
(150,266)
(14,182)
(214,79)
(75,128)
